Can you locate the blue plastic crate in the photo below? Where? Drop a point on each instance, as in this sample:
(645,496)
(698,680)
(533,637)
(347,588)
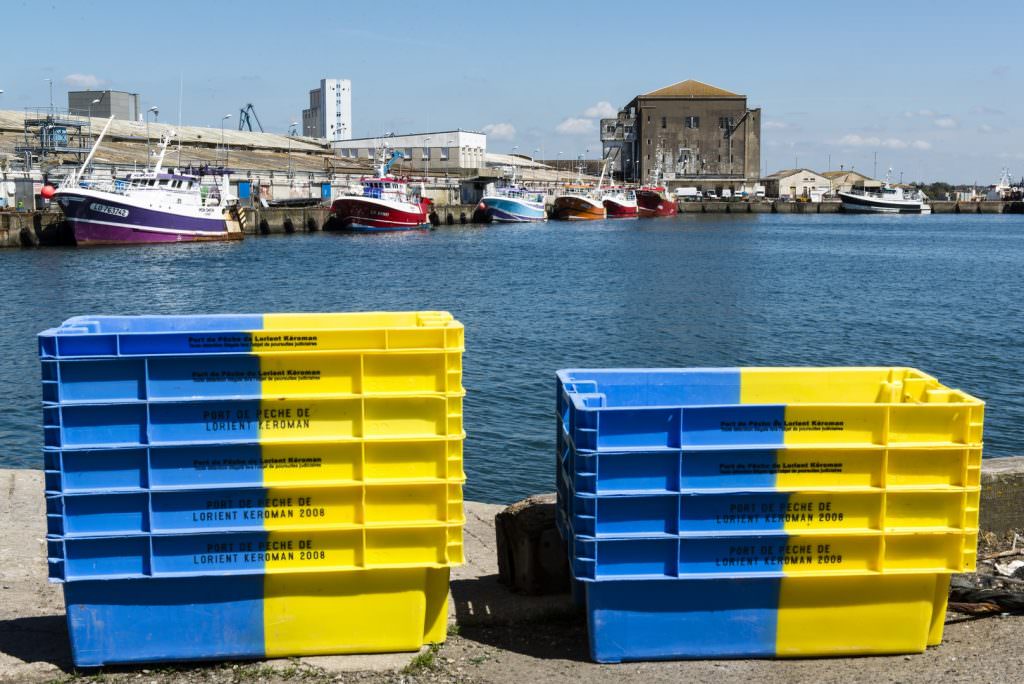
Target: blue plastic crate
(288,551)
(96,336)
(663,409)
(764,618)
(254,616)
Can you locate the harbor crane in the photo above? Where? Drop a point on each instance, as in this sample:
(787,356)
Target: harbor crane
(246,115)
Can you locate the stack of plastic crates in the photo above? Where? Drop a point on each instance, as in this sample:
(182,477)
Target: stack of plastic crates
(253,486)
(765,512)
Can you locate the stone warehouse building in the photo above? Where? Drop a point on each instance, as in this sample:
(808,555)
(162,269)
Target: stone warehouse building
(696,133)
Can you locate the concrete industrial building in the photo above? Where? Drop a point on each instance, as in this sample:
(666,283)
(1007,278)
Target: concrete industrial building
(796,184)
(330,111)
(456,149)
(119,104)
(698,134)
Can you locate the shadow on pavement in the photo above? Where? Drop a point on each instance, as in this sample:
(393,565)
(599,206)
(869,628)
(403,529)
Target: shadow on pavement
(41,638)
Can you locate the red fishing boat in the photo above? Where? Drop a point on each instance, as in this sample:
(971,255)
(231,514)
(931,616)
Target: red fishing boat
(620,202)
(387,204)
(655,200)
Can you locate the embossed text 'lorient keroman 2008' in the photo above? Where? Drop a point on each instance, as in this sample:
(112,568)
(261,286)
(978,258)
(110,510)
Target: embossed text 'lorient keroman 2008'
(251,486)
(739,512)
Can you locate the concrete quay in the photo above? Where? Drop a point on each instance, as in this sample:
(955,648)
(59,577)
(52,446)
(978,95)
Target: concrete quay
(832,207)
(495,635)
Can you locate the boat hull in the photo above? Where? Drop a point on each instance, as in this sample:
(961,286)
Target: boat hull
(571,208)
(371,215)
(102,220)
(651,203)
(867,205)
(620,209)
(511,210)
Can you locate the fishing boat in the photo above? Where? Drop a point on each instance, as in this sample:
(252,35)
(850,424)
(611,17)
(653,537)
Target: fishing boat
(513,203)
(654,199)
(147,207)
(579,202)
(620,202)
(386,204)
(887,199)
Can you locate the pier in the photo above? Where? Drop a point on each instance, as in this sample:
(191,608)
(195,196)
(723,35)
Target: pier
(46,228)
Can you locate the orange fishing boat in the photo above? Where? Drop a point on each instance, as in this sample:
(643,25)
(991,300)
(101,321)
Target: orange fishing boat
(578,203)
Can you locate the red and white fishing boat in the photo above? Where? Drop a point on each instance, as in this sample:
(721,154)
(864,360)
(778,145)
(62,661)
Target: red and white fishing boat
(654,199)
(620,202)
(386,204)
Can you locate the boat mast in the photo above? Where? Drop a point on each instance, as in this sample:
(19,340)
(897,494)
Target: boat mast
(95,146)
(164,142)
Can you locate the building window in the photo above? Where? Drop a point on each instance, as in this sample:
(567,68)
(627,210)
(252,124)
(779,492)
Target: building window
(444,153)
(648,141)
(648,118)
(693,122)
(664,122)
(425,154)
(725,123)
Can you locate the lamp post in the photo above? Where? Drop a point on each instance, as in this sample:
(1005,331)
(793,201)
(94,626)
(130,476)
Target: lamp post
(96,101)
(291,132)
(558,165)
(426,158)
(227,154)
(50,81)
(155,111)
(447,162)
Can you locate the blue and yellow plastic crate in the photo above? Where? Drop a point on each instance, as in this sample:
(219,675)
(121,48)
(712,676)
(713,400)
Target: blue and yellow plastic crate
(765,512)
(253,486)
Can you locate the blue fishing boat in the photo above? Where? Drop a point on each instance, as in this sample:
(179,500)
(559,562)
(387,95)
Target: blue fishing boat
(514,204)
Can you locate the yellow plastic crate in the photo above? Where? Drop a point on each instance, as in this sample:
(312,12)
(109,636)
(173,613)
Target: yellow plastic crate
(254,616)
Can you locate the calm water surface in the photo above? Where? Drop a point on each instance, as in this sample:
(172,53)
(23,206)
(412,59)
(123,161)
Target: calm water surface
(942,293)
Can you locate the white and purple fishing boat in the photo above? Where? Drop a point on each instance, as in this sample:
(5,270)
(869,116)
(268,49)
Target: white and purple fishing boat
(149,207)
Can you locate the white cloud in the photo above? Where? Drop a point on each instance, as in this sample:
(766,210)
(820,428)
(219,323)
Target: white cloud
(945,122)
(987,111)
(602,110)
(985,128)
(84,81)
(500,131)
(926,113)
(854,140)
(774,125)
(577,126)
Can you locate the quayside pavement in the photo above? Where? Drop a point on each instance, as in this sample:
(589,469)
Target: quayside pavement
(496,636)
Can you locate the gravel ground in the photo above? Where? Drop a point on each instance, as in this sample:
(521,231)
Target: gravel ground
(541,641)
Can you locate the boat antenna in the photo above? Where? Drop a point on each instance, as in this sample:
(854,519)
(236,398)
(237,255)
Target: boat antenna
(95,146)
(181,88)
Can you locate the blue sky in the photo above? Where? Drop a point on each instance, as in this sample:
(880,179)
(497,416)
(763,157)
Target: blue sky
(935,88)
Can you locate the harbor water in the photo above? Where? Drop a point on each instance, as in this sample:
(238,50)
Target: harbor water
(941,293)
